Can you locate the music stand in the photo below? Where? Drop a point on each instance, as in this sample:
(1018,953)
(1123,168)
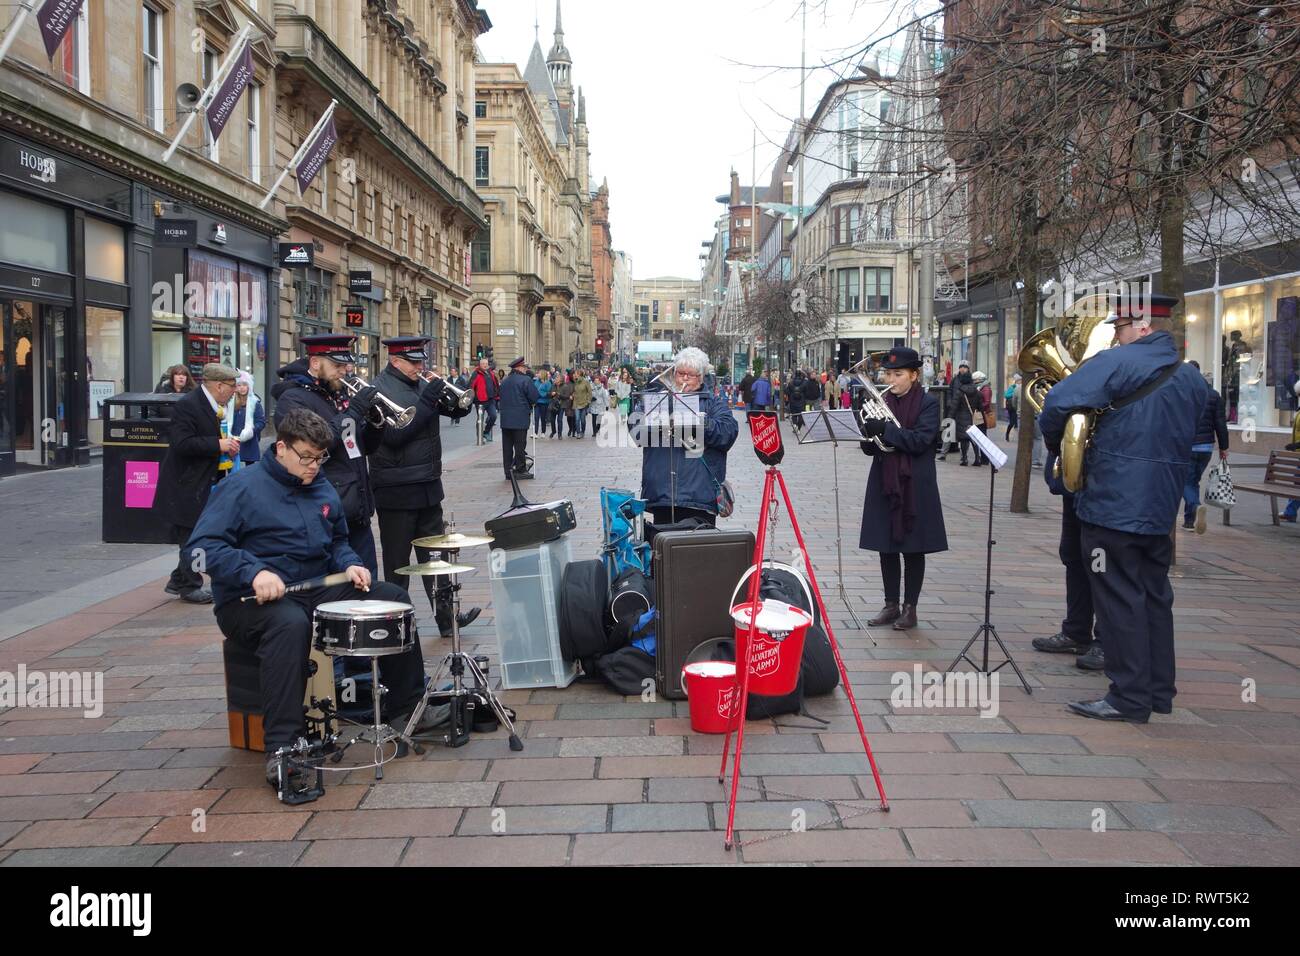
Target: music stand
(835,425)
(997,458)
(665,407)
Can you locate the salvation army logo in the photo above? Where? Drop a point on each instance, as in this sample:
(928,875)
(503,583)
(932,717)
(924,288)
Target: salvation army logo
(764,655)
(766,435)
(727,702)
(324,511)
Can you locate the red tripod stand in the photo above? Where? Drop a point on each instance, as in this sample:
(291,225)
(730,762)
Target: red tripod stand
(767,508)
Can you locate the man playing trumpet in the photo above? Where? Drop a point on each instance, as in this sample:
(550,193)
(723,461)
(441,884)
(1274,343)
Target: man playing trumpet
(316,384)
(406,469)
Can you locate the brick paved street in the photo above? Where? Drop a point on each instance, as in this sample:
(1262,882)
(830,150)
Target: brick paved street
(605,780)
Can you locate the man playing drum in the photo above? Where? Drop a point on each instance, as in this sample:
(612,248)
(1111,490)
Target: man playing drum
(272,524)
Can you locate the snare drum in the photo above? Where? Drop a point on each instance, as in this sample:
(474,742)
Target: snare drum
(363,628)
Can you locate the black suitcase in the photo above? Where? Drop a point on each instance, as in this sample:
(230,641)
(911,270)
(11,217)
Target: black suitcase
(531,525)
(694,575)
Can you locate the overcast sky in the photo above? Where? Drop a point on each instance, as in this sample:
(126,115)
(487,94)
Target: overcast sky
(674,91)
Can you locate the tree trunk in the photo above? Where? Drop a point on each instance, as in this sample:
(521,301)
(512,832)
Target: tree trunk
(1028,320)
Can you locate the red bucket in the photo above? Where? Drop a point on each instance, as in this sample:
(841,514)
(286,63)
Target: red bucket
(714,695)
(778,645)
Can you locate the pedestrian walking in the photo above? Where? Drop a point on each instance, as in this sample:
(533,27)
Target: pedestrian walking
(1212,424)
(542,410)
(518,395)
(1011,401)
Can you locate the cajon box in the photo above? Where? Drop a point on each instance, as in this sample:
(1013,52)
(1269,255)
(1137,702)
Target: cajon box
(244,693)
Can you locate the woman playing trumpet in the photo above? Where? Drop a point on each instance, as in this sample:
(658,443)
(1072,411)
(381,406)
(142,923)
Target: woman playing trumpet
(902,517)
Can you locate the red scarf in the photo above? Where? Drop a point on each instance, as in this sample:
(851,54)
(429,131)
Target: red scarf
(897,476)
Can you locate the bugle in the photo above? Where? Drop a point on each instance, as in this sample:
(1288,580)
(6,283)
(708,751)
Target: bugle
(395,416)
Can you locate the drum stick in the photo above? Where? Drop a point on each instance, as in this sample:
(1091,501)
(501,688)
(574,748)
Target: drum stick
(328,581)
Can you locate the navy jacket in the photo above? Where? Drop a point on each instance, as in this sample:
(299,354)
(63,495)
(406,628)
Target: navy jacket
(1137,461)
(761,392)
(928,534)
(263,518)
(1214,422)
(518,396)
(349,476)
(696,486)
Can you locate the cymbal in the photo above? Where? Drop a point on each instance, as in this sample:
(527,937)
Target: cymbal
(434,567)
(450,542)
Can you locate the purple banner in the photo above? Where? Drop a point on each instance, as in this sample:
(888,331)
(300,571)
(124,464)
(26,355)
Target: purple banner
(315,155)
(232,88)
(56,19)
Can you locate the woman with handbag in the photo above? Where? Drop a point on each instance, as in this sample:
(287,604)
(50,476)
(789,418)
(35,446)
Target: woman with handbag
(902,516)
(986,415)
(963,396)
(1212,426)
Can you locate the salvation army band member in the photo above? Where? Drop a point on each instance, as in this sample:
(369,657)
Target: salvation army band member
(316,384)
(1137,465)
(275,523)
(902,517)
(406,472)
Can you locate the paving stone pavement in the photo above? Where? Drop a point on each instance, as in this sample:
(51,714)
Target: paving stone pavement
(605,780)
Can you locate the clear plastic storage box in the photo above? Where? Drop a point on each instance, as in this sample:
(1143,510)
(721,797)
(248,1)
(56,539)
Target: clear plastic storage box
(525,602)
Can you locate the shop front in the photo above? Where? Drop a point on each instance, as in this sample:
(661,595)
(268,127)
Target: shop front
(64,302)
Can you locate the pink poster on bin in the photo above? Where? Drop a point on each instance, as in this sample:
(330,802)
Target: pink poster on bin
(141,483)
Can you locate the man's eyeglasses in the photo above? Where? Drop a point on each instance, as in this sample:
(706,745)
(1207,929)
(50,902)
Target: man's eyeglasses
(306,460)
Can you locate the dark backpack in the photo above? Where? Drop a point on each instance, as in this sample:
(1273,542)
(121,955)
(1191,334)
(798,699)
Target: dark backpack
(627,670)
(584,592)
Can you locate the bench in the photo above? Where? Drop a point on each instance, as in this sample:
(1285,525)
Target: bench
(1281,480)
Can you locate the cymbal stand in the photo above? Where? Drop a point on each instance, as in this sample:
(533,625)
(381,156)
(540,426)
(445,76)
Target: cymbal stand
(458,663)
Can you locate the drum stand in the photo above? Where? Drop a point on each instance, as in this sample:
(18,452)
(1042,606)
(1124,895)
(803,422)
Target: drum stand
(767,511)
(381,731)
(457,663)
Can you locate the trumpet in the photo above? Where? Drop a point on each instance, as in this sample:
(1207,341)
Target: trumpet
(460,397)
(396,416)
(873,406)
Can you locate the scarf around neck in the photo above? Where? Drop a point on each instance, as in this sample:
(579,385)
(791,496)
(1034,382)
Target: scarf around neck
(897,476)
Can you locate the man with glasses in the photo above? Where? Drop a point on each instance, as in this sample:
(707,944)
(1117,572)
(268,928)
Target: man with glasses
(275,523)
(195,453)
(682,475)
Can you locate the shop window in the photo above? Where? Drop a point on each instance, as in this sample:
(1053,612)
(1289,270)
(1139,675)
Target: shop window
(105,364)
(105,251)
(35,233)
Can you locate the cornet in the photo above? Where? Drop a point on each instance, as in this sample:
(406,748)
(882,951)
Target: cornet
(396,416)
(460,397)
(873,406)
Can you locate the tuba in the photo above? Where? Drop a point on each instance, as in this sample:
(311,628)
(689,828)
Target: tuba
(873,406)
(1054,353)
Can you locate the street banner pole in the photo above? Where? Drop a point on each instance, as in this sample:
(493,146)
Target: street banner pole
(307,143)
(236,51)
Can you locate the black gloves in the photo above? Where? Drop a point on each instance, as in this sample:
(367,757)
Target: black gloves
(873,427)
(364,402)
(432,392)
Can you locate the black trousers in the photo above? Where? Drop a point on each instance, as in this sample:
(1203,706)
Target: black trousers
(891,575)
(184,577)
(280,633)
(1135,611)
(397,529)
(1078,623)
(514,448)
(663,514)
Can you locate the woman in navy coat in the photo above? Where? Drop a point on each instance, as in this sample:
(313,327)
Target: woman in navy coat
(902,514)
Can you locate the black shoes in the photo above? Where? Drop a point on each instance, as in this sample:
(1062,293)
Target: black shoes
(1162,708)
(464,619)
(1093,660)
(1059,643)
(888,614)
(198,596)
(906,618)
(1102,710)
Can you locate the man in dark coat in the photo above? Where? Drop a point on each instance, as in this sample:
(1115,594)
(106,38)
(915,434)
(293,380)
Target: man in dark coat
(1137,462)
(963,404)
(196,451)
(746,387)
(518,396)
(406,472)
(1213,425)
(276,523)
(316,384)
(902,513)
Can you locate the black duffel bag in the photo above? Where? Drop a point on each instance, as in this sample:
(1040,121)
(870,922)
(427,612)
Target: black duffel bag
(584,592)
(630,596)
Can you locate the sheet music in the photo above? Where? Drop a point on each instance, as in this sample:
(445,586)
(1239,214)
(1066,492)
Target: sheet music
(996,456)
(684,409)
(832,424)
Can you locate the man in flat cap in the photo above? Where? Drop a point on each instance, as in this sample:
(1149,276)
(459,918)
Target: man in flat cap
(518,396)
(197,448)
(1136,466)
(406,471)
(315,382)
